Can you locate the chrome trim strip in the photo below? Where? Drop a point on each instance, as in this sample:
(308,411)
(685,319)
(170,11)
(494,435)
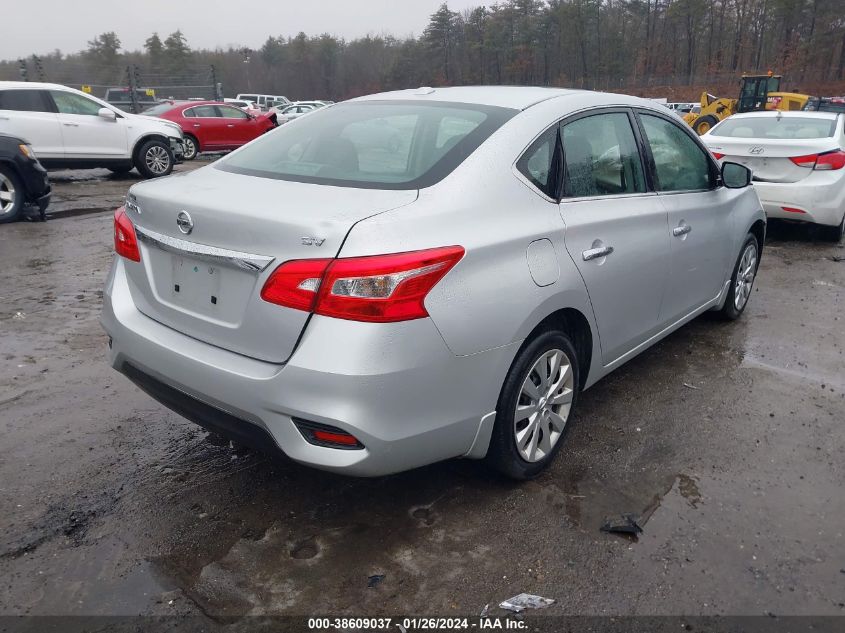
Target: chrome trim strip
(246,261)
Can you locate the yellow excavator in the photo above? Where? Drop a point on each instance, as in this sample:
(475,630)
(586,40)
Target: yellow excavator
(756,92)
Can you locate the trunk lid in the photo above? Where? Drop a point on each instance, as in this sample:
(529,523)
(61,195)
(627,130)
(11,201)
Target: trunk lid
(769,159)
(207,283)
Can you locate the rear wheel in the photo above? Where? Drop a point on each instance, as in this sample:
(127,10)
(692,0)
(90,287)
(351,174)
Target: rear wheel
(154,159)
(742,280)
(191,146)
(834,233)
(704,124)
(534,406)
(11,195)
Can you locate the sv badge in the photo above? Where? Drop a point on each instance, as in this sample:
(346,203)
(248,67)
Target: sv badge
(313,241)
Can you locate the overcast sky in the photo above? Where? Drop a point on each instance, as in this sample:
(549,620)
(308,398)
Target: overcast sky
(44,25)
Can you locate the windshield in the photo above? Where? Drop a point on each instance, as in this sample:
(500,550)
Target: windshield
(371,144)
(791,127)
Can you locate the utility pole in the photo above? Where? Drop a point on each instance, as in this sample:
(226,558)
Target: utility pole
(132,74)
(22,69)
(217,87)
(39,68)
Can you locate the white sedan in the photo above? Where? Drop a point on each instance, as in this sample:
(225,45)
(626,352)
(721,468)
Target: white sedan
(797,159)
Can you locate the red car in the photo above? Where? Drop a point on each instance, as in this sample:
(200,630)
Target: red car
(212,126)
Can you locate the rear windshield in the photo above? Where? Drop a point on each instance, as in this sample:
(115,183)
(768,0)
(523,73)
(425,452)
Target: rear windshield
(787,127)
(371,144)
(161,108)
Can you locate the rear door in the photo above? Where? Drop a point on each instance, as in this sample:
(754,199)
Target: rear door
(699,214)
(616,229)
(207,126)
(30,115)
(84,132)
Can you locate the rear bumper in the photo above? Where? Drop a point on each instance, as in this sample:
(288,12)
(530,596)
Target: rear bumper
(820,197)
(396,387)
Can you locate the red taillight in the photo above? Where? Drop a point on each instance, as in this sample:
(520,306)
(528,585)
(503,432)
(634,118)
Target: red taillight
(125,241)
(379,288)
(334,438)
(831,160)
(718,156)
(826,161)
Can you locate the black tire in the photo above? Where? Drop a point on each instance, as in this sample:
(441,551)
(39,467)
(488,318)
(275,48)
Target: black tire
(730,310)
(191,146)
(11,187)
(834,233)
(503,454)
(122,170)
(154,159)
(704,124)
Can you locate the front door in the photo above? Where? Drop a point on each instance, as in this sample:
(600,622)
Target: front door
(616,231)
(699,216)
(238,128)
(84,132)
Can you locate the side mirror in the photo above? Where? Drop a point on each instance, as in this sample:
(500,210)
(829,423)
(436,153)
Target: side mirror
(735,176)
(108,115)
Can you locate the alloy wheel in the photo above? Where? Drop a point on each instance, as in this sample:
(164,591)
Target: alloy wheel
(7,195)
(190,148)
(157,159)
(543,405)
(745,276)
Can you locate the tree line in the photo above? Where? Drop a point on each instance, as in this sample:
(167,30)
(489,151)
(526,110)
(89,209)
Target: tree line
(643,46)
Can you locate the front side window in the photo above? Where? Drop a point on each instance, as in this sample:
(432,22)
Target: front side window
(231,113)
(371,144)
(23,101)
(679,163)
(601,156)
(72,103)
(537,164)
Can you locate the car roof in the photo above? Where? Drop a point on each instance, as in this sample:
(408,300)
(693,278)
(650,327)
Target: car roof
(515,97)
(787,114)
(32,85)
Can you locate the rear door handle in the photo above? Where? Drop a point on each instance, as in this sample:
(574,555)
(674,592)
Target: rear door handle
(595,253)
(681,230)
(196,124)
(231,125)
(71,124)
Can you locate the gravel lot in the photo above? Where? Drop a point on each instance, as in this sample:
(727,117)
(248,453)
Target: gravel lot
(727,437)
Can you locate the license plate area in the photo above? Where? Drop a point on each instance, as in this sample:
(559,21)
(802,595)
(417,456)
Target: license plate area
(196,285)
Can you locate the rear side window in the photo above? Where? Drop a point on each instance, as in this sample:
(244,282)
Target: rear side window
(24,101)
(783,127)
(601,157)
(679,163)
(537,164)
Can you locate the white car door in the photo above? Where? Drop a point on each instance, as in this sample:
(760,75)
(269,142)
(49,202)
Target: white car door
(85,133)
(28,114)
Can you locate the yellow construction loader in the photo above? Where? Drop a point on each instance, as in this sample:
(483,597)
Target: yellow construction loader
(757,92)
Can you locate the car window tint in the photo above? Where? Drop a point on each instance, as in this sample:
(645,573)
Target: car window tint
(23,101)
(601,157)
(536,163)
(453,128)
(371,144)
(231,113)
(205,111)
(71,103)
(679,163)
(383,144)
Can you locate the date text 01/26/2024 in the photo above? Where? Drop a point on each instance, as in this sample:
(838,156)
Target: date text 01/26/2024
(404,625)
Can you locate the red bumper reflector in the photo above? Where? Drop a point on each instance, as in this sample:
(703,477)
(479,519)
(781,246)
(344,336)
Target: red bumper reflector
(335,438)
(792,210)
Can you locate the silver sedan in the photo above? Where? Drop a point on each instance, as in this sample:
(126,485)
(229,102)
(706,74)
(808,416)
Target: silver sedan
(426,274)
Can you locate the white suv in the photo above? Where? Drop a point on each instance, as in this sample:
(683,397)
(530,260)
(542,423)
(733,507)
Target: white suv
(73,130)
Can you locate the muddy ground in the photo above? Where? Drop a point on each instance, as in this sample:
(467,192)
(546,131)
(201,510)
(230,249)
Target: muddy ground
(727,437)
